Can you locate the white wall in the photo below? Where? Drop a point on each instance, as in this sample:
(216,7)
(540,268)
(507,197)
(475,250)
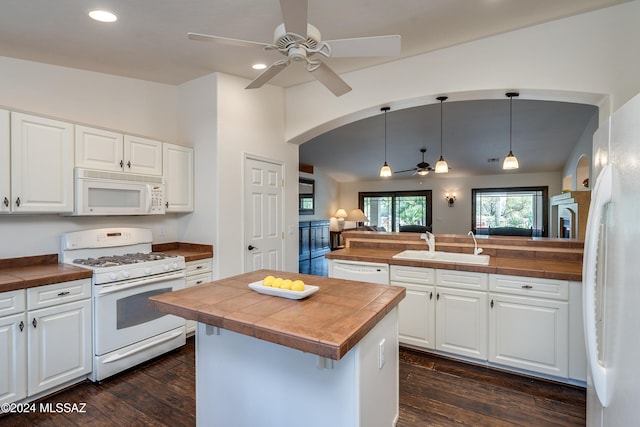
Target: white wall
(128,105)
(583,147)
(456,219)
(590,53)
(250,122)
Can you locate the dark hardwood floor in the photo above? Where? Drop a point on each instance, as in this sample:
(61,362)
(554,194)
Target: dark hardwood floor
(434,391)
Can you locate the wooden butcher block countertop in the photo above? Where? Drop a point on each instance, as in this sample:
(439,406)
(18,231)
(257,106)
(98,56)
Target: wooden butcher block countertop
(327,323)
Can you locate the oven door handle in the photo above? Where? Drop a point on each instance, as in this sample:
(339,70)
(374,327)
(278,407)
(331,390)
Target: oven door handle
(109,289)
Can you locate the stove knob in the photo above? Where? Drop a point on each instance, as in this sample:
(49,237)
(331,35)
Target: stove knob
(125,274)
(166,267)
(113,276)
(147,271)
(175,265)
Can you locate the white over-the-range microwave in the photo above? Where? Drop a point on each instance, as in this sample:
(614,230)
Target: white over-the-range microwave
(117,193)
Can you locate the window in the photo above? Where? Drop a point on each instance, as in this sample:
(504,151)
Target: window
(521,211)
(393,209)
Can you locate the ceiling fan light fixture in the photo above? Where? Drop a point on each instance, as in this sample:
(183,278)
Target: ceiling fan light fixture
(423,172)
(510,162)
(259,66)
(441,165)
(385,170)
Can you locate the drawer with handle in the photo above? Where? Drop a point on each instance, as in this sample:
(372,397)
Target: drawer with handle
(529,286)
(58,293)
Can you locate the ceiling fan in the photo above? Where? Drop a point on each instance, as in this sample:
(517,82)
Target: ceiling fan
(300,41)
(421,168)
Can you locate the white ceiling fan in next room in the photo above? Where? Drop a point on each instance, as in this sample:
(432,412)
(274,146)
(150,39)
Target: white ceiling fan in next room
(300,41)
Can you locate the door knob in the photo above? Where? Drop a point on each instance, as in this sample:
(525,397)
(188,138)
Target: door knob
(251,247)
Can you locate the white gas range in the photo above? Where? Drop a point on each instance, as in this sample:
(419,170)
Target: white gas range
(126,331)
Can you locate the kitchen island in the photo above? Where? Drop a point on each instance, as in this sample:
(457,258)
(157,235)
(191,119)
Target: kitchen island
(328,359)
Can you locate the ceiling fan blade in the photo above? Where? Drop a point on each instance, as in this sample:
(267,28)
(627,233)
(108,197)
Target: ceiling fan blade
(407,170)
(365,46)
(226,40)
(330,79)
(294,15)
(267,74)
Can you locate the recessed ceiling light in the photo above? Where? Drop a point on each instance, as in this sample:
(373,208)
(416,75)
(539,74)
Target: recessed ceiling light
(259,66)
(103,16)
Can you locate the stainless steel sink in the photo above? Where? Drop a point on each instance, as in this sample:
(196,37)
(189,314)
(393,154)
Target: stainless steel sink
(439,256)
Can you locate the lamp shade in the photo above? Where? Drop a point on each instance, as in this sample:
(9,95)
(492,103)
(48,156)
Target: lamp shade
(510,162)
(341,213)
(385,170)
(357,215)
(442,166)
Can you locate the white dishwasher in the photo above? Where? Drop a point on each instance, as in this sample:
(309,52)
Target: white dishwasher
(372,272)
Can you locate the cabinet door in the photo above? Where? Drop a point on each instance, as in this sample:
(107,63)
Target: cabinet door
(13,358)
(143,156)
(178,176)
(60,347)
(41,164)
(304,244)
(5,162)
(99,149)
(416,316)
(461,322)
(529,333)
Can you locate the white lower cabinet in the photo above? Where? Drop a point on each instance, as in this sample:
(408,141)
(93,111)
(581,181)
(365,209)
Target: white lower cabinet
(416,312)
(461,314)
(13,346)
(527,331)
(46,341)
(198,272)
(522,323)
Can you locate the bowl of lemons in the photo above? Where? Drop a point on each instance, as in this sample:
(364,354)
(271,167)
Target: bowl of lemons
(283,287)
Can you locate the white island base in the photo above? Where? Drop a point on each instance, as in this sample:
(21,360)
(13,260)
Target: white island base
(243,381)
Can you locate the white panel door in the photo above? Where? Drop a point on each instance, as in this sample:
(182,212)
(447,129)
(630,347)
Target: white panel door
(416,316)
(60,347)
(461,322)
(99,149)
(13,358)
(41,164)
(5,162)
(529,333)
(178,176)
(142,155)
(263,215)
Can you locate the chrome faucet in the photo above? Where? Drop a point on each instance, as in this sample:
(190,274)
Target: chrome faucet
(430,240)
(476,249)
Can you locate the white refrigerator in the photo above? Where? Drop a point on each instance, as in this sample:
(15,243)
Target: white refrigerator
(611,273)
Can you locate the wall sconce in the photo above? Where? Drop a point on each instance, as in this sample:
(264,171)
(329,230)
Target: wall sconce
(450,198)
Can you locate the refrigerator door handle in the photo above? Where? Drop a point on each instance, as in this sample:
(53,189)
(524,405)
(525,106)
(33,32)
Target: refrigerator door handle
(601,196)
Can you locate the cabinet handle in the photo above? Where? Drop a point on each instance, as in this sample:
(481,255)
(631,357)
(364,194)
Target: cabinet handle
(199,267)
(166,205)
(18,202)
(199,282)
(129,164)
(527,287)
(430,295)
(121,163)
(34,323)
(491,303)
(21,325)
(6,202)
(251,247)
(438,296)
(63,293)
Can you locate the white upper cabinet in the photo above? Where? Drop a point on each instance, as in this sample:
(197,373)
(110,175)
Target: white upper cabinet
(112,151)
(5,162)
(99,149)
(143,156)
(178,177)
(41,165)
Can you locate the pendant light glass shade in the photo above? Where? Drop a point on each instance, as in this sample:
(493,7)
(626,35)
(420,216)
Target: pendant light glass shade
(385,170)
(441,165)
(510,162)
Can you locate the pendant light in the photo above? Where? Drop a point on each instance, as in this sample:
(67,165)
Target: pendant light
(510,162)
(441,165)
(385,170)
